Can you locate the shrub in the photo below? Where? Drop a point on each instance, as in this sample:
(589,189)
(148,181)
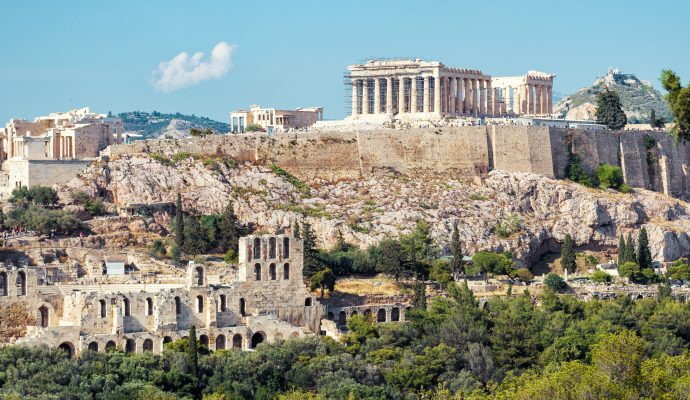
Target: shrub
(161,158)
(440,272)
(93,206)
(230,256)
(290,178)
(157,249)
(629,269)
(601,277)
(478,197)
(509,225)
(40,195)
(555,282)
(679,271)
(254,128)
(42,220)
(524,275)
(491,263)
(609,176)
(576,173)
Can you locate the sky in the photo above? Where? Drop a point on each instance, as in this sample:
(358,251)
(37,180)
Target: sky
(211,57)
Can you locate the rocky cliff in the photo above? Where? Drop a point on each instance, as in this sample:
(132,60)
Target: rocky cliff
(527,214)
(638,98)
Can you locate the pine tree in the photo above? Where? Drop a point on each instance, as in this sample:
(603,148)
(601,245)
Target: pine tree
(179,222)
(392,261)
(621,250)
(312,262)
(456,264)
(296,230)
(630,255)
(652,119)
(196,241)
(644,255)
(568,255)
(610,111)
(419,299)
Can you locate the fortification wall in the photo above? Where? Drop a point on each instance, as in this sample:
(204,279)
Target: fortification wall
(460,152)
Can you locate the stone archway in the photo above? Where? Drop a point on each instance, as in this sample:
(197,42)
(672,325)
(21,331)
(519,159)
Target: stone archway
(237,341)
(148,345)
(93,346)
(130,346)
(220,342)
(257,339)
(381,315)
(43,317)
(395,314)
(68,348)
(110,346)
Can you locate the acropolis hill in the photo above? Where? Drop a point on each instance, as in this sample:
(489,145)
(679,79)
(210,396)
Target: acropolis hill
(458,152)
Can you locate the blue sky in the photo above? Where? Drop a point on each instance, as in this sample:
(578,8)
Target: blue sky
(57,55)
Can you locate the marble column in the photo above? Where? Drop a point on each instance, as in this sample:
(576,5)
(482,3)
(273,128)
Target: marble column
(525,101)
(377,96)
(451,95)
(467,95)
(389,95)
(437,95)
(475,96)
(365,96)
(549,99)
(355,101)
(482,96)
(427,95)
(401,95)
(458,97)
(489,98)
(413,95)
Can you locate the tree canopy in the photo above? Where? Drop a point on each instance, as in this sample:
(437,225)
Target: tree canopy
(610,111)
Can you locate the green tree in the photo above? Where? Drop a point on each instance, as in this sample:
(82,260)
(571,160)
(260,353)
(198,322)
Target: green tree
(323,280)
(179,222)
(619,356)
(392,260)
(610,111)
(229,230)
(630,255)
(486,262)
(568,254)
(622,250)
(678,98)
(679,271)
(456,264)
(196,241)
(43,195)
(296,230)
(312,261)
(193,362)
(157,249)
(610,176)
(644,254)
(600,277)
(629,269)
(254,128)
(419,298)
(441,272)
(555,282)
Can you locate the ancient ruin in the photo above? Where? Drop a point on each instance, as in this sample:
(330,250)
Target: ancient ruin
(430,90)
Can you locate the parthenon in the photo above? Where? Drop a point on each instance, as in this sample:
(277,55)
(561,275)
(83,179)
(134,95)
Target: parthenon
(429,89)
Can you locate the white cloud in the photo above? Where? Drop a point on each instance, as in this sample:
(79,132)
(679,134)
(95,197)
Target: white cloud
(184,71)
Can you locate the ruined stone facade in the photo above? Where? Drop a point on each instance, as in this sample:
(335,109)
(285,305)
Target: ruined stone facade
(270,119)
(267,302)
(430,90)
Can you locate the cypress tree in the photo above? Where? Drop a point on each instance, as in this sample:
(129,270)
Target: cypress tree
(296,231)
(229,230)
(179,222)
(568,255)
(312,263)
(456,265)
(610,111)
(193,360)
(621,250)
(644,255)
(196,241)
(419,299)
(630,255)
(652,119)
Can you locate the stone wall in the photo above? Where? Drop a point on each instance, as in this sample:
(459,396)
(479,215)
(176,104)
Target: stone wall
(459,152)
(40,172)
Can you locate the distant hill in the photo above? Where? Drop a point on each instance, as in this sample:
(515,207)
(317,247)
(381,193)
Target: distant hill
(158,125)
(637,96)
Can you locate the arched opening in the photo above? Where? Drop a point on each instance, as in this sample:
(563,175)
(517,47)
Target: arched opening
(272,271)
(367,314)
(199,304)
(223,306)
(257,248)
(243,304)
(330,316)
(93,346)
(395,314)
(42,317)
(3,284)
(342,318)
(286,271)
(130,346)
(148,345)
(307,302)
(68,348)
(199,276)
(258,338)
(21,283)
(103,309)
(237,341)
(220,342)
(125,307)
(286,248)
(178,306)
(381,315)
(167,339)
(257,272)
(272,248)
(352,314)
(110,346)
(203,339)
(149,306)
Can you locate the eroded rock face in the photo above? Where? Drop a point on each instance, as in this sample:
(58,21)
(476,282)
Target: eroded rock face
(368,209)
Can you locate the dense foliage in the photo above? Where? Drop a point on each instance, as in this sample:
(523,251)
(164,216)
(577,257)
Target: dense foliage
(610,110)
(678,98)
(150,125)
(510,349)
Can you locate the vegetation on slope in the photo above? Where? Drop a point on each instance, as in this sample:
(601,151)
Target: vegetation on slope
(152,125)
